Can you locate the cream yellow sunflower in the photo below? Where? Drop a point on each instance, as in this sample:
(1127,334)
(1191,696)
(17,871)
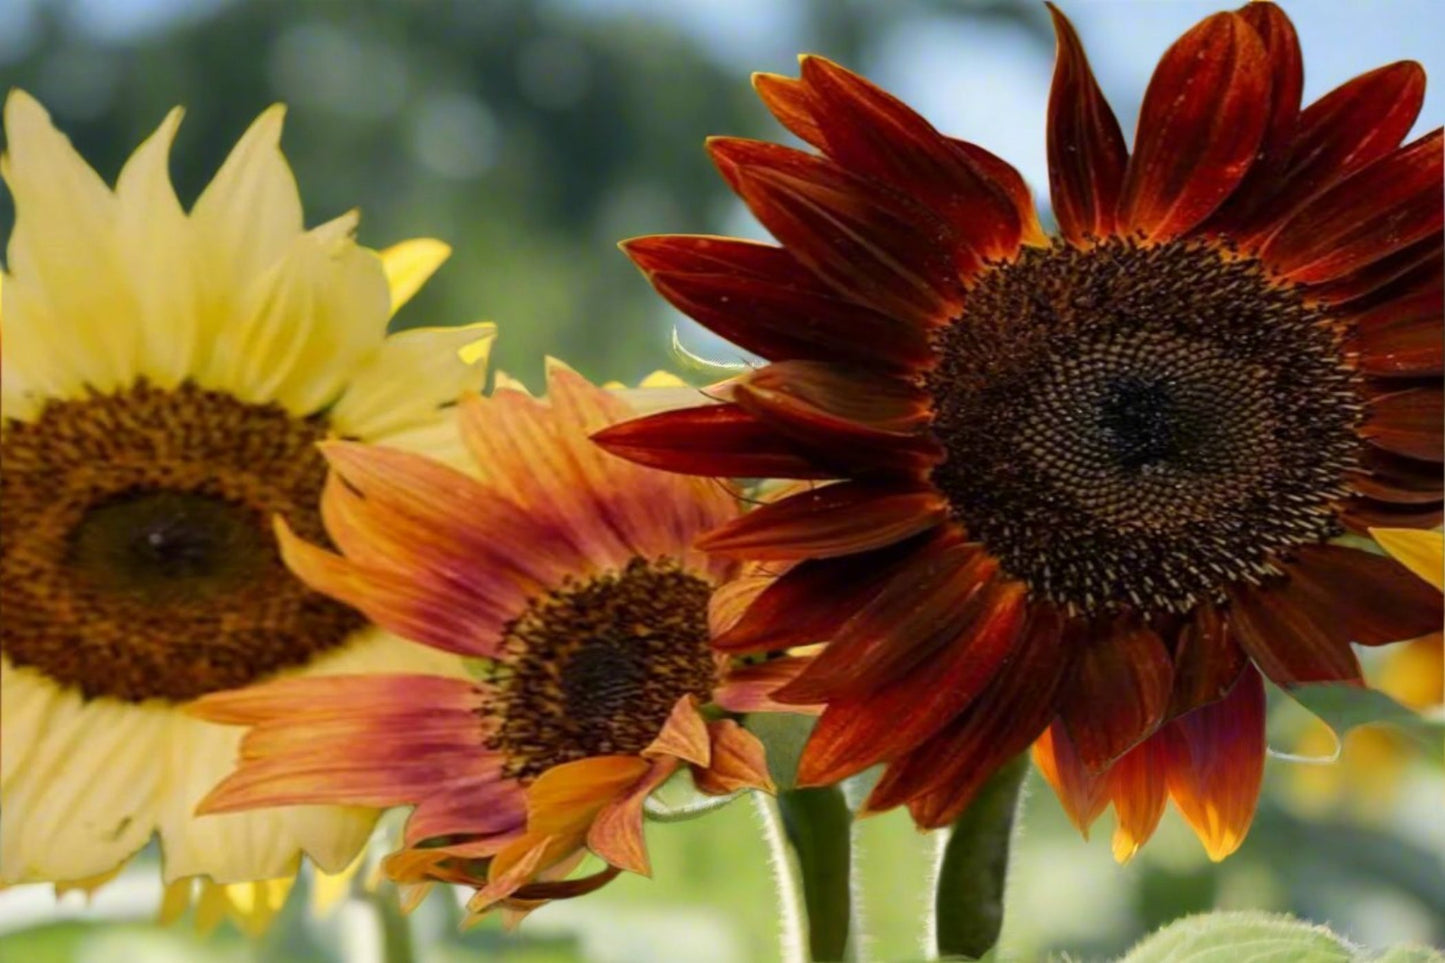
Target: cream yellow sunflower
(166,376)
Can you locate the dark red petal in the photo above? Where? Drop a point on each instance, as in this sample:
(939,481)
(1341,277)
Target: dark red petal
(1277,632)
(1261,186)
(1402,337)
(940,778)
(832,520)
(1366,598)
(1083,794)
(1344,131)
(853,734)
(1408,423)
(1207,660)
(869,131)
(1361,515)
(723,441)
(1408,269)
(760,298)
(793,104)
(868,417)
(1087,153)
(1012,183)
(1215,759)
(811,601)
(1200,128)
(1138,788)
(1394,202)
(1391,478)
(1118,694)
(926,607)
(876,247)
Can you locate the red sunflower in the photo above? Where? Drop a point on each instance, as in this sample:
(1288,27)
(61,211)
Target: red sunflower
(1087,487)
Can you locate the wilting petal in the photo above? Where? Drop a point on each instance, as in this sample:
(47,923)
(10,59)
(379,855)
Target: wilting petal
(683,736)
(1366,598)
(789,612)
(1119,692)
(1394,202)
(1207,660)
(760,298)
(1290,648)
(925,608)
(1408,423)
(1200,128)
(750,688)
(716,440)
(940,778)
(1420,552)
(616,833)
(853,734)
(1087,154)
(1083,794)
(876,247)
(1137,788)
(739,761)
(831,520)
(1216,764)
(869,131)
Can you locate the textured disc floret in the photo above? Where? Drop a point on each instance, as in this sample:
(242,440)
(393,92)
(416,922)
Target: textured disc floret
(1141,426)
(595,667)
(138,560)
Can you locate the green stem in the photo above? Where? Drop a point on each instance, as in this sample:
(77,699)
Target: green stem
(969,898)
(819,827)
(790,903)
(396,941)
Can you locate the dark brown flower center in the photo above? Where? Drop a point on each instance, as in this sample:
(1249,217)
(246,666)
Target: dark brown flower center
(1141,426)
(136,555)
(595,668)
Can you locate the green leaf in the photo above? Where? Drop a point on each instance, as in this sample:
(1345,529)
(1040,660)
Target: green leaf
(1344,707)
(783,735)
(1410,954)
(1233,937)
(678,800)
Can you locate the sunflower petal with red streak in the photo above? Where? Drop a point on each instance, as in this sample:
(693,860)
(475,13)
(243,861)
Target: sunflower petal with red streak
(1119,693)
(1207,660)
(760,298)
(616,834)
(750,688)
(1200,128)
(918,613)
(1369,599)
(721,441)
(832,520)
(809,602)
(874,246)
(1012,183)
(1288,646)
(1084,795)
(739,761)
(794,105)
(853,734)
(1215,758)
(869,131)
(1402,337)
(1388,205)
(1409,423)
(1087,153)
(1411,268)
(1138,789)
(940,778)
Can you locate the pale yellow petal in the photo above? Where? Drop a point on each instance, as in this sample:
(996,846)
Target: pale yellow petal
(250,213)
(175,900)
(407,380)
(329,889)
(70,319)
(160,260)
(1422,552)
(409,264)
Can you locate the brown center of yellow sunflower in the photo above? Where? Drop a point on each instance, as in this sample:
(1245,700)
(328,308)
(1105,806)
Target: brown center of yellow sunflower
(595,667)
(136,556)
(1141,426)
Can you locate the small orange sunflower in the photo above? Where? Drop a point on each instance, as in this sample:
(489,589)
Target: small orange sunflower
(572,573)
(1086,486)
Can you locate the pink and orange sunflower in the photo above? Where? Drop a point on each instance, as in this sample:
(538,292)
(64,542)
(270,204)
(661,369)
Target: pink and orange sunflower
(570,574)
(1079,490)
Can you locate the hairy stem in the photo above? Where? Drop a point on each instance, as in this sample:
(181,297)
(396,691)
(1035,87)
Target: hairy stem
(819,827)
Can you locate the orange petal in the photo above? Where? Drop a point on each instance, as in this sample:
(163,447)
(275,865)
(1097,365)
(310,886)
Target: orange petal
(1082,793)
(565,798)
(739,761)
(1200,128)
(683,736)
(750,688)
(1138,790)
(616,834)
(793,104)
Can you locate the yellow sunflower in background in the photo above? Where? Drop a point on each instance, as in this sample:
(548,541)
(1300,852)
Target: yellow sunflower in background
(1366,777)
(167,376)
